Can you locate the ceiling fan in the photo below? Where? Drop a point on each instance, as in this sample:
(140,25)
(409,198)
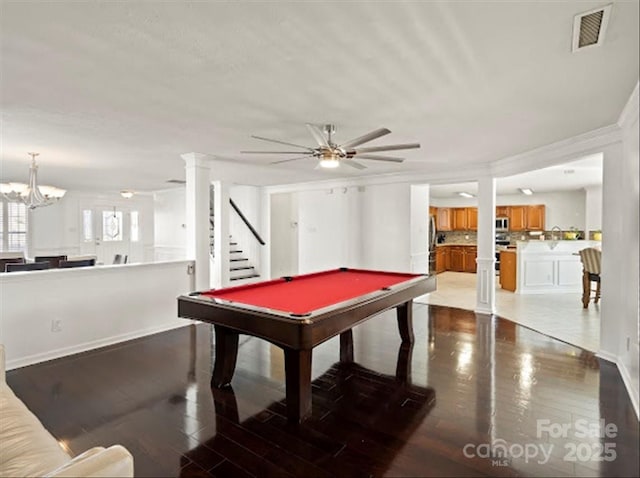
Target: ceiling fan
(331,155)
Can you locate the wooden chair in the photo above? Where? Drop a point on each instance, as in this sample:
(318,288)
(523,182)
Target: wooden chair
(590,258)
(54,261)
(10,260)
(27,266)
(79,263)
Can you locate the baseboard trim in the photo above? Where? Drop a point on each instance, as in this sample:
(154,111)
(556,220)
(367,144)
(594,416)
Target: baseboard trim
(91,345)
(609,357)
(626,378)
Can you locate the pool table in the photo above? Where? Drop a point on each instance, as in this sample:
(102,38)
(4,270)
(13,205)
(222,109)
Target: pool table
(297,313)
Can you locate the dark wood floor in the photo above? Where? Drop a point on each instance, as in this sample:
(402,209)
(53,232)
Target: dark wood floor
(433,410)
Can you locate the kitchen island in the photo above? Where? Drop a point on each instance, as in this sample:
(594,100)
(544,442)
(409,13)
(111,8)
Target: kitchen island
(544,267)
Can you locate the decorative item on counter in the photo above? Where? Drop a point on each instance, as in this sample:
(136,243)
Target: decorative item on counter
(597,235)
(571,234)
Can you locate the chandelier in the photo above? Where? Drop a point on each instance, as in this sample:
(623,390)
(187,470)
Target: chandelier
(31,194)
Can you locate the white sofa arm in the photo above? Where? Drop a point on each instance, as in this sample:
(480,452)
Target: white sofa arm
(115,461)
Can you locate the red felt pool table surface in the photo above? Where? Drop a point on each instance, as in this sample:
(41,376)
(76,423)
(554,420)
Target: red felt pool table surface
(303,294)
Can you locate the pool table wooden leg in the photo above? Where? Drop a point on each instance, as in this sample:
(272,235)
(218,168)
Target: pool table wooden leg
(346,346)
(405,321)
(297,367)
(226,355)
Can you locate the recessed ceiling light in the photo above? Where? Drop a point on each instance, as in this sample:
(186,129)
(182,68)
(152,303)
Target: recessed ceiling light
(466,195)
(569,171)
(526,191)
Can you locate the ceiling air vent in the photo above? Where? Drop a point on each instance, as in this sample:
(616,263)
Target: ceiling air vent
(176,181)
(589,27)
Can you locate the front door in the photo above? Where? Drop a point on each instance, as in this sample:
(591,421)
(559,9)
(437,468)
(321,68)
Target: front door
(107,232)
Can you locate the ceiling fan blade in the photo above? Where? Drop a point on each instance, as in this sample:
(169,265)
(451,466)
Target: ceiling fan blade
(389,147)
(292,159)
(353,164)
(376,157)
(317,135)
(272,152)
(281,142)
(365,138)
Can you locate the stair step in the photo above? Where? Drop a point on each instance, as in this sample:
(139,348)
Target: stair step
(238,260)
(235,252)
(248,276)
(241,268)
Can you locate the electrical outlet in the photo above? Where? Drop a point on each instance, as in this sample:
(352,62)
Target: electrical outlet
(56,325)
(191,269)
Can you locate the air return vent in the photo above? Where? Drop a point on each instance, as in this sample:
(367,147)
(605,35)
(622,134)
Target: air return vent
(176,181)
(589,27)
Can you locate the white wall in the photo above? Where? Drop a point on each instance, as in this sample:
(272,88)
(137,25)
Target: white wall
(563,209)
(386,227)
(593,208)
(57,229)
(419,228)
(325,229)
(283,240)
(170,241)
(619,333)
(95,306)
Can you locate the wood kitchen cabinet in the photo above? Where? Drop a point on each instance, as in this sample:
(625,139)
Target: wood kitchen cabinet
(443,219)
(457,258)
(470,254)
(518,218)
(508,270)
(502,211)
(535,218)
(472,218)
(459,218)
(433,211)
(443,262)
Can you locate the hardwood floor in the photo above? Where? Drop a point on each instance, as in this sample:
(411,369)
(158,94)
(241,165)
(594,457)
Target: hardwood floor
(428,410)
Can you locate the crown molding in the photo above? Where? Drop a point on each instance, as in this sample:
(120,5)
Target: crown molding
(629,113)
(560,152)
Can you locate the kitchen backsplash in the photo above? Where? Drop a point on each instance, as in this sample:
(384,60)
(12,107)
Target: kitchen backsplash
(471,237)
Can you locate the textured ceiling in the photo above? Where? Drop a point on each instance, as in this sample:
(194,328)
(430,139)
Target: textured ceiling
(111,93)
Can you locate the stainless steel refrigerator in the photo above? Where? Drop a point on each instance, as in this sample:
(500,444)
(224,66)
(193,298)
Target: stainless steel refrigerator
(432,245)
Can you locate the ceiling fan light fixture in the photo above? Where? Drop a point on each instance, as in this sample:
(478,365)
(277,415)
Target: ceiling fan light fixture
(329,163)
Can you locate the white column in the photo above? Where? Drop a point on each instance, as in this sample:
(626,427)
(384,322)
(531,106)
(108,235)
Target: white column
(197,204)
(221,232)
(486,275)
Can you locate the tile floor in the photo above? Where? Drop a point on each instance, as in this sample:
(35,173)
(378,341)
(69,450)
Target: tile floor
(558,315)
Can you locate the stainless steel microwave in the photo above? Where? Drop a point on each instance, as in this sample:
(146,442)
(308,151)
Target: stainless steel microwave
(502,223)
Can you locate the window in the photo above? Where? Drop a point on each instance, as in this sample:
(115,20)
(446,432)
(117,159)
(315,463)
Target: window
(135,227)
(87,225)
(112,225)
(13,226)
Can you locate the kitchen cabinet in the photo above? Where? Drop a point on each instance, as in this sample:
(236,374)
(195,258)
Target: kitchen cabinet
(502,211)
(508,261)
(443,261)
(518,218)
(459,218)
(526,218)
(470,254)
(433,211)
(535,218)
(457,258)
(472,218)
(443,219)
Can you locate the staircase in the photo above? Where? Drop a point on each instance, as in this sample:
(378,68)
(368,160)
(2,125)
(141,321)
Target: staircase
(240,267)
